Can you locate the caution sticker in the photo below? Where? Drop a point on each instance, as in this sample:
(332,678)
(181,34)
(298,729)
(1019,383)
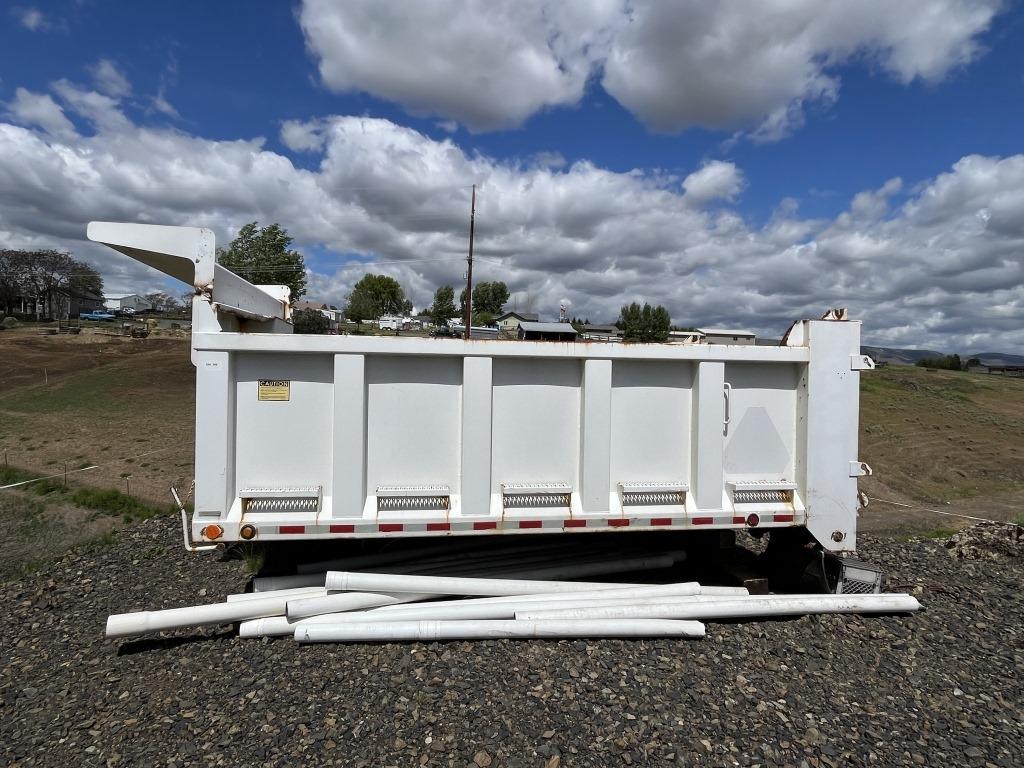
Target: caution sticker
(275,389)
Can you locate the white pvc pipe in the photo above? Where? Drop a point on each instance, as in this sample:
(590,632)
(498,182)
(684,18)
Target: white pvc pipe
(277,583)
(291,593)
(609,591)
(338,602)
(478,630)
(751,607)
(279,625)
(141,622)
(724,591)
(455,585)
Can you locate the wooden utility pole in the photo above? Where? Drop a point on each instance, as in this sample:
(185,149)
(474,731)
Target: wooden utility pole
(468,319)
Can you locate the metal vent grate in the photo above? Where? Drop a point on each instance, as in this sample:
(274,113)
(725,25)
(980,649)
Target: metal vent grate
(763,497)
(645,494)
(282,505)
(530,500)
(393,503)
(394,498)
(653,498)
(855,587)
(858,578)
(281,500)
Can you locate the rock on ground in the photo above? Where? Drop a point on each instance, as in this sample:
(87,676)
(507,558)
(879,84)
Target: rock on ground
(941,687)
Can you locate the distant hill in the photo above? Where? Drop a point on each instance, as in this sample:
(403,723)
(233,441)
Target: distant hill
(998,358)
(899,356)
(911,356)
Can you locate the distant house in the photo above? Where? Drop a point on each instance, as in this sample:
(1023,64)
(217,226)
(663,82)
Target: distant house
(122,301)
(83,301)
(333,315)
(727,336)
(995,368)
(687,337)
(530,331)
(509,322)
(608,333)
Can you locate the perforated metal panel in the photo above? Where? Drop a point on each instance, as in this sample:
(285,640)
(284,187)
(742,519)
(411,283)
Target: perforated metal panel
(763,497)
(413,498)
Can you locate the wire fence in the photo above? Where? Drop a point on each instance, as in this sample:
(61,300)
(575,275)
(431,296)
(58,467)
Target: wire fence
(122,473)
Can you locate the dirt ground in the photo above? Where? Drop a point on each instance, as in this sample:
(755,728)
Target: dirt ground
(126,405)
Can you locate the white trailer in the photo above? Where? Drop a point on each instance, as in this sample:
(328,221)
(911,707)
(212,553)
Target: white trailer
(320,437)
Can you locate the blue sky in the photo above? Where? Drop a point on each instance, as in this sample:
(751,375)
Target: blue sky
(580,123)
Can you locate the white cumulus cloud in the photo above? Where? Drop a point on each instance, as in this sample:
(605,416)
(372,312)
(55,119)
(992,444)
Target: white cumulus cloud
(109,79)
(716,180)
(731,65)
(41,110)
(934,263)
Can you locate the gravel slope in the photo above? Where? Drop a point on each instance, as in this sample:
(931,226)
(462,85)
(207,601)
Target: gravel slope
(942,687)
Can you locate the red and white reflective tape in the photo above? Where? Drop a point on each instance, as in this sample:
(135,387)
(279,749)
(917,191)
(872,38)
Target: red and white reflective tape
(556,524)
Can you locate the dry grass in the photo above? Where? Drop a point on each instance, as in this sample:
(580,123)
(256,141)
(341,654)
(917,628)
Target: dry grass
(942,439)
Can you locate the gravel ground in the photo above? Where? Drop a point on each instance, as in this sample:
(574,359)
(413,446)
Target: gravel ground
(942,687)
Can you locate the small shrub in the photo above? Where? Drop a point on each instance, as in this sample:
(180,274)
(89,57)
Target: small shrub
(9,322)
(254,557)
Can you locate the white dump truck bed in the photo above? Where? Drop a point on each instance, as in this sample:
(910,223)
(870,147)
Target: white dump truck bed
(319,436)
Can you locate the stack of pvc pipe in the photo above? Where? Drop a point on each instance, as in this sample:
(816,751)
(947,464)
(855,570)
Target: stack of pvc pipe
(465,590)
(360,606)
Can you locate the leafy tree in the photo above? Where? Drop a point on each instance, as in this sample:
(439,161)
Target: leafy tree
(948,363)
(262,256)
(310,321)
(48,277)
(443,308)
(163,302)
(488,298)
(85,279)
(483,319)
(13,277)
(646,323)
(373,296)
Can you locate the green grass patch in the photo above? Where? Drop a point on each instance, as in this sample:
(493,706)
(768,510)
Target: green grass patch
(10,475)
(110,502)
(937,533)
(87,392)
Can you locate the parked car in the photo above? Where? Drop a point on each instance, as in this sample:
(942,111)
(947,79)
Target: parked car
(96,314)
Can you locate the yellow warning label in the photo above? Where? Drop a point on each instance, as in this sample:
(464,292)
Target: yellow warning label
(275,389)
